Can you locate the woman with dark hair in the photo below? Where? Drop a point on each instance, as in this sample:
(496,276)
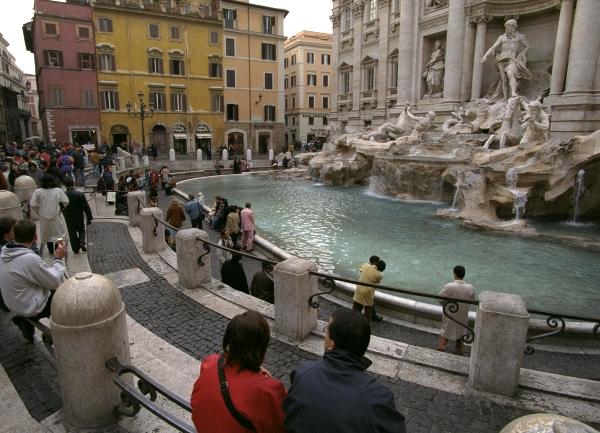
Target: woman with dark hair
(234,394)
(47,202)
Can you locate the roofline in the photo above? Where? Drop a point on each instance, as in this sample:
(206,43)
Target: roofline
(240,3)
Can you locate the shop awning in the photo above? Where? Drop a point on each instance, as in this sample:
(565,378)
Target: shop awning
(203,135)
(180,136)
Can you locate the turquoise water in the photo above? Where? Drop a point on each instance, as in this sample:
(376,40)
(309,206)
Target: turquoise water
(341,227)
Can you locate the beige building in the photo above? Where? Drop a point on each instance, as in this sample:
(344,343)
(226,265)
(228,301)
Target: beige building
(253,76)
(308,86)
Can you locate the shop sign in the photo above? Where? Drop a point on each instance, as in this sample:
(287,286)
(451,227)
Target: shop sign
(202,129)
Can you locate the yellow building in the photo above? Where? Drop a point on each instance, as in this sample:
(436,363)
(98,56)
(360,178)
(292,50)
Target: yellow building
(171,52)
(308,87)
(253,76)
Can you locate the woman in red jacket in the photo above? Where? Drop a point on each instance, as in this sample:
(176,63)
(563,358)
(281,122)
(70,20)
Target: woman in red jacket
(234,393)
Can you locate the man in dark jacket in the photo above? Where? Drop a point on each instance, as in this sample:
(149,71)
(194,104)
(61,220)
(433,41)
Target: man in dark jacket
(74,216)
(335,394)
(232,272)
(262,286)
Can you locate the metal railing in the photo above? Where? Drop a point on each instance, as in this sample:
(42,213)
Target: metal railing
(132,399)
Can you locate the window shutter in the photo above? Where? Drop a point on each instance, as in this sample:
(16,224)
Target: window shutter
(150,65)
(173,102)
(182,67)
(266,112)
(116,100)
(184,100)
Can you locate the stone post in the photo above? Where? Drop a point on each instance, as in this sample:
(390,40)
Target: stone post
(136,201)
(480,46)
(171,154)
(10,206)
(24,187)
(500,338)
(561,48)
(455,48)
(199,155)
(225,156)
(189,248)
(271,155)
(584,47)
(89,327)
(405,51)
(248,155)
(146,160)
(294,284)
(153,236)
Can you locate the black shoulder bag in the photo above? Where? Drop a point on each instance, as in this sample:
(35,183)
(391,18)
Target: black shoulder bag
(224,388)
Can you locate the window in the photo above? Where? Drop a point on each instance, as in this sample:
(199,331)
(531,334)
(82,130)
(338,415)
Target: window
(326,59)
(216,103)
(394,74)
(157,100)
(50,29)
(293,81)
(345,83)
(109,99)
(268,80)
(106,62)
(56,97)
(177,67)
(293,120)
(325,121)
(396,5)
(310,58)
(229,15)
(285,83)
(105,25)
(326,102)
(286,118)
(155,65)
(293,102)
(153,31)
(268,52)
(53,58)
(311,79)
(229,47)
(175,33)
(214,38)
(325,80)
(369,78)
(286,107)
(293,59)
(215,70)
(346,19)
(86,61)
(371,10)
(269,113)
(232,112)
(311,101)
(87,98)
(268,25)
(178,102)
(285,62)
(230,82)
(311,120)
(84,32)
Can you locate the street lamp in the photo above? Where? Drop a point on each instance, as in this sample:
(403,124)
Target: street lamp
(142,114)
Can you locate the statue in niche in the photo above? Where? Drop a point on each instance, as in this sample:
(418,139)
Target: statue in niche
(510,51)
(510,132)
(434,72)
(536,124)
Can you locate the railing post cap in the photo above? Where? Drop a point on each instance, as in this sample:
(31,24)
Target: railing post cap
(25,182)
(539,422)
(296,265)
(151,211)
(503,303)
(9,200)
(190,234)
(86,299)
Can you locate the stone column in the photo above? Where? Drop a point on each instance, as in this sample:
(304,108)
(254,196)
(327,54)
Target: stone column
(189,249)
(561,48)
(89,327)
(136,201)
(585,45)
(294,284)
(480,46)
(357,14)
(500,338)
(335,48)
(455,47)
(405,51)
(383,65)
(153,236)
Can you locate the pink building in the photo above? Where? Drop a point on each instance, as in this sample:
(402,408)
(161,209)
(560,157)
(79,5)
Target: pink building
(61,37)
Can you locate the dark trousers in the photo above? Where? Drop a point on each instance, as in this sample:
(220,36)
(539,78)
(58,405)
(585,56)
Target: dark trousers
(197,223)
(235,237)
(368,310)
(77,238)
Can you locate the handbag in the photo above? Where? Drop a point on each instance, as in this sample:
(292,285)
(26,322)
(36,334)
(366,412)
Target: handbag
(224,388)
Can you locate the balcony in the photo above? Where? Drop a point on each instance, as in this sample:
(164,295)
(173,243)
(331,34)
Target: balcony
(368,95)
(345,102)
(392,96)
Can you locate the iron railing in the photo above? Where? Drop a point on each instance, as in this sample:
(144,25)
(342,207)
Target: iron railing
(132,399)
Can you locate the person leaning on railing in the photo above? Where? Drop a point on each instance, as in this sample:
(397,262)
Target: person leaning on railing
(234,394)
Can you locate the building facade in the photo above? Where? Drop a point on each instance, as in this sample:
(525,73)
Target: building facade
(33,105)
(170,53)
(61,37)
(308,87)
(253,75)
(14,113)
(386,50)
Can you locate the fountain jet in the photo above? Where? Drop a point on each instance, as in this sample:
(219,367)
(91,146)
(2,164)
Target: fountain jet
(579,192)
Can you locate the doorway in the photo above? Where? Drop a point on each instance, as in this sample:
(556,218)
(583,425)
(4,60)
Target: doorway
(159,138)
(119,136)
(263,143)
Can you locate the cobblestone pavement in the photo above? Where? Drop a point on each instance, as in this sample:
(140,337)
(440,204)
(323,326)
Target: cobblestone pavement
(198,331)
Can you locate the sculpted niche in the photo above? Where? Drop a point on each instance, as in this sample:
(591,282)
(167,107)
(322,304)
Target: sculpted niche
(434,72)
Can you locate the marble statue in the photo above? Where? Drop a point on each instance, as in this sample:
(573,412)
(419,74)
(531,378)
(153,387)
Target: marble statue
(391,129)
(536,124)
(434,72)
(469,121)
(510,52)
(510,132)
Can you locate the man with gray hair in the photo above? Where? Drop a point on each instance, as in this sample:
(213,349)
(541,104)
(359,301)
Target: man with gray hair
(195,210)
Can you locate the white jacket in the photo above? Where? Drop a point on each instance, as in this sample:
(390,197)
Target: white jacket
(26,280)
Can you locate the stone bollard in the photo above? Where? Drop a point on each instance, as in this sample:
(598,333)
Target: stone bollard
(171,154)
(271,155)
(225,155)
(199,155)
(89,327)
(546,422)
(500,339)
(136,161)
(24,187)
(10,206)
(189,248)
(248,155)
(152,242)
(146,160)
(294,317)
(136,201)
